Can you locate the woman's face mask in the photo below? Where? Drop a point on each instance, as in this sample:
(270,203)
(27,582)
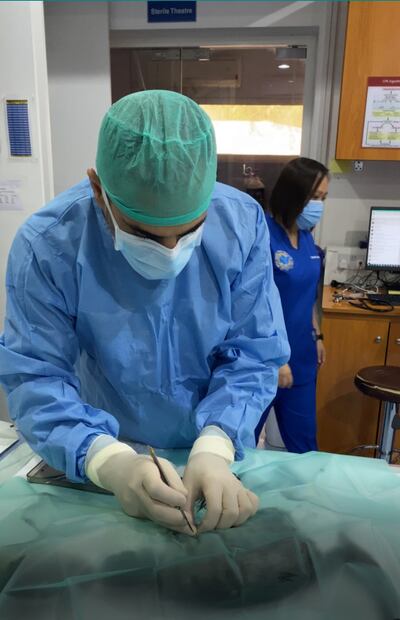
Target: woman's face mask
(310,215)
(150,259)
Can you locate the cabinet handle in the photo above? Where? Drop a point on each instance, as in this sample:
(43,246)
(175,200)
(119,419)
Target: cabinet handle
(378,339)
(397,340)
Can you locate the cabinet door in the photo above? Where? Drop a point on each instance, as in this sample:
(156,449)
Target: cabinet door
(393,349)
(393,359)
(346,418)
(372,50)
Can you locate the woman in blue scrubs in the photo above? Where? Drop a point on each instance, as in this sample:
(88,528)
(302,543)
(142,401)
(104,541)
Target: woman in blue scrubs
(295,208)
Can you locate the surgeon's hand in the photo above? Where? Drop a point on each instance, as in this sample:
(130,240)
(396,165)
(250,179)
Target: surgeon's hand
(285,379)
(228,502)
(135,481)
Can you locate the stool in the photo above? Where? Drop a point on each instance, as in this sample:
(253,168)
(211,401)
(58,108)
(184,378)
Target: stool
(382,382)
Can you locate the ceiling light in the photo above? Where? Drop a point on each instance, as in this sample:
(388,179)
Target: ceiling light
(283,66)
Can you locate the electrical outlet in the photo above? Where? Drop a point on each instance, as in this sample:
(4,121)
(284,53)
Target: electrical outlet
(358,165)
(355,262)
(343,262)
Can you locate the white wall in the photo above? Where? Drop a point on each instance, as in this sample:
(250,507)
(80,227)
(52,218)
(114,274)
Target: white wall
(351,195)
(23,73)
(78,59)
(133,15)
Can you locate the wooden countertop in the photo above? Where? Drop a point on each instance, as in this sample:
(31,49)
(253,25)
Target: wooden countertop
(343,307)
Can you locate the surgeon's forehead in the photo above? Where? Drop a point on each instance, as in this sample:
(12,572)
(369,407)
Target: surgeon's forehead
(162,231)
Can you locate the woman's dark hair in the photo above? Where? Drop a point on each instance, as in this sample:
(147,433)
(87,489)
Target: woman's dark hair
(294,188)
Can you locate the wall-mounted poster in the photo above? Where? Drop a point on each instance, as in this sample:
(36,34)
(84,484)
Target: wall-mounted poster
(10,199)
(382,113)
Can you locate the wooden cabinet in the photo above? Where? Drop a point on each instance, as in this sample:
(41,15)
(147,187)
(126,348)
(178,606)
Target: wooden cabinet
(393,349)
(372,50)
(393,359)
(346,418)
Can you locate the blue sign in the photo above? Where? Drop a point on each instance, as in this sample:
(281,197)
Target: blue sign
(171,11)
(18,128)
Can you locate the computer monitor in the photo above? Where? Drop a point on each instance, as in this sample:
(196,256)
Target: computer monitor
(383,252)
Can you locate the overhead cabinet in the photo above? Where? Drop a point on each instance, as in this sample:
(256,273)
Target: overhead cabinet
(372,50)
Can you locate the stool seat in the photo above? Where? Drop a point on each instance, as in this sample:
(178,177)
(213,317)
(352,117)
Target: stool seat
(382,382)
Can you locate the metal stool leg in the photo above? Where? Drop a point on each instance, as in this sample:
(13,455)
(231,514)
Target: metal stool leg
(364,446)
(386,441)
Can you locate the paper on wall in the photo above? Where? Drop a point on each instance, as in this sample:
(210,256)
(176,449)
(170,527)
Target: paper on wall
(10,199)
(382,113)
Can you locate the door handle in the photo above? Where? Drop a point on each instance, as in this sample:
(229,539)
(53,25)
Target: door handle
(378,339)
(398,341)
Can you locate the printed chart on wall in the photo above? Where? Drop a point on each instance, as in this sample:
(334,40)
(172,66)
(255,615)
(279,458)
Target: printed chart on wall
(382,113)
(10,199)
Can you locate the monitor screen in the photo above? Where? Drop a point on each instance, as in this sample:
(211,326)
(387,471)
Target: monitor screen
(384,239)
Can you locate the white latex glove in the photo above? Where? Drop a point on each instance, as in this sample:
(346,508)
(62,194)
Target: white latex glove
(135,481)
(228,502)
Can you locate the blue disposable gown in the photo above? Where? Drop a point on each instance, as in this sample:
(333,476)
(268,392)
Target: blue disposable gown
(90,347)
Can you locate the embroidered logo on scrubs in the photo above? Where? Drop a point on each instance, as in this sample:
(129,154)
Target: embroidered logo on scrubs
(283,260)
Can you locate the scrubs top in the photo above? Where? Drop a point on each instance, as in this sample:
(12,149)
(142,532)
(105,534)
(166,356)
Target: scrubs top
(90,347)
(297,273)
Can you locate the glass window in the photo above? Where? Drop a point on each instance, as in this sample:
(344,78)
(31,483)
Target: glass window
(256,129)
(254,95)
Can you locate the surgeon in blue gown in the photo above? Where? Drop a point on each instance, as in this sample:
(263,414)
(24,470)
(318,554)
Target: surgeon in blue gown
(296,206)
(141,307)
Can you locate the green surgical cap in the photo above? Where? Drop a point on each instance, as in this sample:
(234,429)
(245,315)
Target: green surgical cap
(156,157)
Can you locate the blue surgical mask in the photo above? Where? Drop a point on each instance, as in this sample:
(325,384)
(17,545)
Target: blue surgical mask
(310,215)
(150,259)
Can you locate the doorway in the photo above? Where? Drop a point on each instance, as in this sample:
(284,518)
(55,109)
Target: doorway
(255,96)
